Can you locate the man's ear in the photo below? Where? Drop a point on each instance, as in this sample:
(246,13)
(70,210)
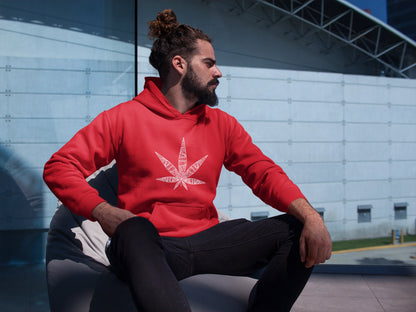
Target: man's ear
(179,64)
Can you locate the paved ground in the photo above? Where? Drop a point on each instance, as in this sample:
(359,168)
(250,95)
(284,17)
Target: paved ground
(391,286)
(352,293)
(23,288)
(398,255)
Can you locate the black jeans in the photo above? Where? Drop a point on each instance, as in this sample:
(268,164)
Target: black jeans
(152,265)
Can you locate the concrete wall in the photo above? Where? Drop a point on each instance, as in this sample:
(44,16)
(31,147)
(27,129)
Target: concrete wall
(347,140)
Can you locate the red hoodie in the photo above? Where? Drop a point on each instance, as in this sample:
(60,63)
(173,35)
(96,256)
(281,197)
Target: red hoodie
(168,163)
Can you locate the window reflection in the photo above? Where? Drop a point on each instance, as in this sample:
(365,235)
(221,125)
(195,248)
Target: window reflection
(60,66)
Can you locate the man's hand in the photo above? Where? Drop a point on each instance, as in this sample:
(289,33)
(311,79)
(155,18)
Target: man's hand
(315,242)
(110,217)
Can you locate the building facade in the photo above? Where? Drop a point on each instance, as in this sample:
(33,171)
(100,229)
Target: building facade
(321,109)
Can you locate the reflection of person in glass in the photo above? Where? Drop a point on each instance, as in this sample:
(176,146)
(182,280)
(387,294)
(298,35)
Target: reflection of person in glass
(170,146)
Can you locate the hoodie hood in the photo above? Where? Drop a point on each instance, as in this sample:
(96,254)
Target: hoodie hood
(154,100)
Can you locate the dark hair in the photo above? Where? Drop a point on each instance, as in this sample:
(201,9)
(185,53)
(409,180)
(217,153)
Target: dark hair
(172,39)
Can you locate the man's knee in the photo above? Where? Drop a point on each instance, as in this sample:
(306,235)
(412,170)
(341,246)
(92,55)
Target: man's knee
(138,231)
(292,222)
(136,224)
(289,225)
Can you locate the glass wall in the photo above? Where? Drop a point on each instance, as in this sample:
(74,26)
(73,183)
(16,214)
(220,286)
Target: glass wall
(61,63)
(347,140)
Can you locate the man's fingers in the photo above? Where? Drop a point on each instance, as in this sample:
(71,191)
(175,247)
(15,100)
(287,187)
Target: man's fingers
(329,253)
(314,252)
(315,242)
(302,249)
(312,258)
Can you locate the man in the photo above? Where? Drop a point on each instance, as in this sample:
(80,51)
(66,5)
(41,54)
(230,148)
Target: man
(170,147)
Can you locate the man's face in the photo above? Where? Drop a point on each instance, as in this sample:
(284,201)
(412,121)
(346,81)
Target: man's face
(201,78)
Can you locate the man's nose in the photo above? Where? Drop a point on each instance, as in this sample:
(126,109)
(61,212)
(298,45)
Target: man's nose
(217,72)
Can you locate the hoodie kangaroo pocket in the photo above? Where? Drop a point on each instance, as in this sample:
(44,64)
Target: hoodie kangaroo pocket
(171,217)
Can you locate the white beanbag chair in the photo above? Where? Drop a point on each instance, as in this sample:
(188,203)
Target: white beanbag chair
(79,279)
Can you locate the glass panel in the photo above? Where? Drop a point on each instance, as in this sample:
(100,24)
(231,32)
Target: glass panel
(60,65)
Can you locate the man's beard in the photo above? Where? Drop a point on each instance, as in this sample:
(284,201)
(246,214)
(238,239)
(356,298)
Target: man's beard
(192,87)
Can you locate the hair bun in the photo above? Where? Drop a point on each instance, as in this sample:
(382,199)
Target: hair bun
(163,24)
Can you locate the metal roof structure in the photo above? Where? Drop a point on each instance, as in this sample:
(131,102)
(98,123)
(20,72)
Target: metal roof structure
(342,22)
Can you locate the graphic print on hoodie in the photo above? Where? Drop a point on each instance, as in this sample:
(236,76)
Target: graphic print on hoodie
(181,175)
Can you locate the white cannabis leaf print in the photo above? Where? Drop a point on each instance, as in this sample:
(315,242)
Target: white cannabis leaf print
(181,175)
